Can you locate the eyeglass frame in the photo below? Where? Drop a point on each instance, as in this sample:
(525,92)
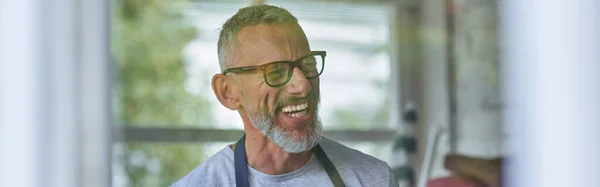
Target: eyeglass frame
(292,65)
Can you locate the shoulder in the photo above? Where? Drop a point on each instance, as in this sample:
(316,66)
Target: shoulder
(357,166)
(217,170)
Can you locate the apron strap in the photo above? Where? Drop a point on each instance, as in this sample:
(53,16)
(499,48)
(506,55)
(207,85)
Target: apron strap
(241,165)
(334,176)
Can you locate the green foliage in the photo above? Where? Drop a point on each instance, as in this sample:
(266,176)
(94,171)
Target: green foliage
(148,38)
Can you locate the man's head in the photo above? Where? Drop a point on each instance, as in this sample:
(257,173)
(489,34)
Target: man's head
(270,76)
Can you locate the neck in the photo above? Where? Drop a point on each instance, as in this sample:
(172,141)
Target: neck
(267,157)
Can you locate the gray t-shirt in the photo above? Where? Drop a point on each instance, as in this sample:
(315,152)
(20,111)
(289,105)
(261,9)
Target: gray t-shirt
(355,168)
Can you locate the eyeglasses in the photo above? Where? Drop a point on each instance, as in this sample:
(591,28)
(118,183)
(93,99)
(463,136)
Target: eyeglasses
(279,73)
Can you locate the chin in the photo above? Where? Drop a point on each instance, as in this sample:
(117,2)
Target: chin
(293,135)
(299,132)
(298,139)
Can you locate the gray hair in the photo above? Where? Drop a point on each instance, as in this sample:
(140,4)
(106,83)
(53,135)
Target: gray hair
(252,15)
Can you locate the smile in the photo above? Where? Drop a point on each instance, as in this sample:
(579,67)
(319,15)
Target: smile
(296,110)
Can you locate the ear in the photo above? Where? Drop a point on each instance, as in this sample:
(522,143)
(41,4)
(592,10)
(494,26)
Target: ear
(226,91)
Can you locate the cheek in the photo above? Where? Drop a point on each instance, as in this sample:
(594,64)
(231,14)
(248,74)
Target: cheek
(262,98)
(251,99)
(315,84)
(272,99)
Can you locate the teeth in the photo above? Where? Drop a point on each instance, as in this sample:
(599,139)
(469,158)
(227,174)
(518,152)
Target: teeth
(299,114)
(292,108)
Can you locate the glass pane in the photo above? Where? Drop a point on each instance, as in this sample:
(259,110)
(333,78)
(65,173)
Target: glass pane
(277,73)
(166,53)
(312,66)
(354,85)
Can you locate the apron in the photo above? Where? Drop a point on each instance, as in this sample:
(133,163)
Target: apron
(241,165)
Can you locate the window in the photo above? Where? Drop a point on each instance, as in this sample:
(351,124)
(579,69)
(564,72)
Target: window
(166,54)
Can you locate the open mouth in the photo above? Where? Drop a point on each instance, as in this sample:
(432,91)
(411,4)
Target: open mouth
(295,110)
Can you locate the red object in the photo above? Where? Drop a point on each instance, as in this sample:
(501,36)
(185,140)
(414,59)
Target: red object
(452,182)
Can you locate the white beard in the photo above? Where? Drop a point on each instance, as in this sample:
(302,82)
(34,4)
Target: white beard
(283,139)
(265,122)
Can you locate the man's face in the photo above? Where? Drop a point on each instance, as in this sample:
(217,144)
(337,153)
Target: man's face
(286,114)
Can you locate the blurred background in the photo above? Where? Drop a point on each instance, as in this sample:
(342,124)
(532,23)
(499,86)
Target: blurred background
(166,54)
(118,93)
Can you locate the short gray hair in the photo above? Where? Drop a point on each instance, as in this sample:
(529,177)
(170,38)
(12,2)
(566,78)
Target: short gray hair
(252,15)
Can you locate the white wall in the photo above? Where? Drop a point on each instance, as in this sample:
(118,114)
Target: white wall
(551,70)
(54,93)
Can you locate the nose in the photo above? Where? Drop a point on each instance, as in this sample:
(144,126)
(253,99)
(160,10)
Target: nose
(298,84)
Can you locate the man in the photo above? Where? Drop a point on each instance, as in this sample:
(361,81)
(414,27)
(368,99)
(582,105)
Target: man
(271,77)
